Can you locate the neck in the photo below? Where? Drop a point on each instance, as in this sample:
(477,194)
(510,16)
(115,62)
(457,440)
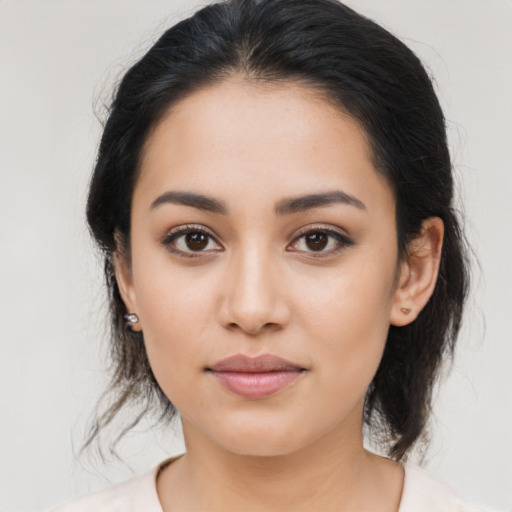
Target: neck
(333,473)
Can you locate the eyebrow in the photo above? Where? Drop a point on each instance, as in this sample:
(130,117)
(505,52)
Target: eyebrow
(302,203)
(283,207)
(199,201)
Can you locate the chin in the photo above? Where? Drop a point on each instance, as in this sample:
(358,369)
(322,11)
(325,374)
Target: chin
(263,442)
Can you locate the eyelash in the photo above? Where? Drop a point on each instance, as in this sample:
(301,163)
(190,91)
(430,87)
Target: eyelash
(173,235)
(343,241)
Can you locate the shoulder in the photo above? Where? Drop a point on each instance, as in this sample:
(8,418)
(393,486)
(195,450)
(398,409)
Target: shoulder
(423,492)
(132,495)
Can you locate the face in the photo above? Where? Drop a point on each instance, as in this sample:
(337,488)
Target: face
(292,253)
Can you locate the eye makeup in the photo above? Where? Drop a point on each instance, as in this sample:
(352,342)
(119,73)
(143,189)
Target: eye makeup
(193,241)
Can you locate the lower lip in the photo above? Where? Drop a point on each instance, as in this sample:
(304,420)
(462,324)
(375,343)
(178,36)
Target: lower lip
(256,385)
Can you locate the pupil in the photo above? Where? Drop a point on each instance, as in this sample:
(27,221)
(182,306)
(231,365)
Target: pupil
(316,241)
(197,240)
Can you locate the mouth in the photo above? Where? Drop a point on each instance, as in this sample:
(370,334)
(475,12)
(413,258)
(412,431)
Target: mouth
(259,364)
(256,377)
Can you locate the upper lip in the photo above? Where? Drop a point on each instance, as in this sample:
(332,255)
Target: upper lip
(262,363)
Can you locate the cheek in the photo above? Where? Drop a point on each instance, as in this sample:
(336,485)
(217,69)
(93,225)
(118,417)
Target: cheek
(177,309)
(174,318)
(174,313)
(347,317)
(170,298)
(349,301)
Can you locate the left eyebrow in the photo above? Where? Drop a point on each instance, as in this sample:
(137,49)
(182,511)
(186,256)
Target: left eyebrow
(301,203)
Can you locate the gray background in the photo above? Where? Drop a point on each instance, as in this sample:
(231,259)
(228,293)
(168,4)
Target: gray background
(56,59)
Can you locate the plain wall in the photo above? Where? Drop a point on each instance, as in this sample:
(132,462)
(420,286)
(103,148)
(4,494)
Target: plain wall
(56,59)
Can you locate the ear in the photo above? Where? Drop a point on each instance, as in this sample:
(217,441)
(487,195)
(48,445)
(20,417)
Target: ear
(418,273)
(124,278)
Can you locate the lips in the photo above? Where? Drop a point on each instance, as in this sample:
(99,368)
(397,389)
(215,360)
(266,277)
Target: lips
(262,363)
(255,377)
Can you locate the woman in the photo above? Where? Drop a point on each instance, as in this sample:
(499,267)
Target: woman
(273,196)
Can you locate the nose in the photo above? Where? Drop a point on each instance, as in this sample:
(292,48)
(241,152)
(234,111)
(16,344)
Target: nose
(253,296)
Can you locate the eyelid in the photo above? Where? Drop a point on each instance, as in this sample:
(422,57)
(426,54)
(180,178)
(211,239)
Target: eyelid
(179,231)
(344,240)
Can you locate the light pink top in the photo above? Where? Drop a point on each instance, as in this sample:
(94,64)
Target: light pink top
(422,492)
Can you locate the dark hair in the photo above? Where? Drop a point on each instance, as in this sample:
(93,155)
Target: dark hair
(365,71)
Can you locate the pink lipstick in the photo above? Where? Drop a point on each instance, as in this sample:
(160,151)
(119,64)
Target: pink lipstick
(255,377)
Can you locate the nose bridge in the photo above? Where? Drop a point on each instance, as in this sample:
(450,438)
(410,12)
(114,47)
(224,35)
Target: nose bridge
(251,270)
(253,297)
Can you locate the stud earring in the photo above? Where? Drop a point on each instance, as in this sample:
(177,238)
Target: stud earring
(405,311)
(131,319)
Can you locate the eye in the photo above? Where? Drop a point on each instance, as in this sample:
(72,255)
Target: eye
(325,242)
(187,240)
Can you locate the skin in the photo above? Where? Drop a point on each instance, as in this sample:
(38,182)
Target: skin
(257,287)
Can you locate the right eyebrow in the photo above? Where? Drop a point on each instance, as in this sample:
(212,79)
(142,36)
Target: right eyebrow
(199,201)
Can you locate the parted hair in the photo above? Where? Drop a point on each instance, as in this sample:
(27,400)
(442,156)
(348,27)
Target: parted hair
(366,72)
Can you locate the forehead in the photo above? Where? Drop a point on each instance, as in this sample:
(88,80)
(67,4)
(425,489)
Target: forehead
(269,113)
(282,134)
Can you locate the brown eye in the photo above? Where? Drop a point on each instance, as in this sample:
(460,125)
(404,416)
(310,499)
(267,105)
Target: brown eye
(317,241)
(321,242)
(190,241)
(196,241)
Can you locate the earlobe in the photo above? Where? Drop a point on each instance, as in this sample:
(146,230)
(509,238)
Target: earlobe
(418,275)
